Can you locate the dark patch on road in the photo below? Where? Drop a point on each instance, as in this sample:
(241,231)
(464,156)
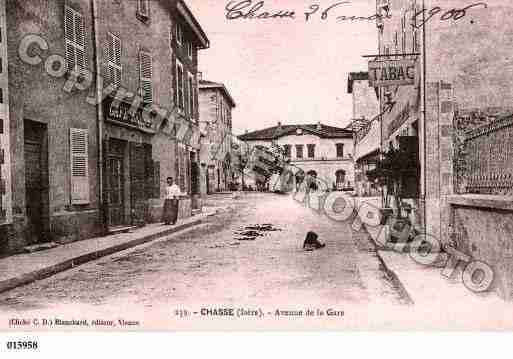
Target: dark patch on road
(250,233)
(263,228)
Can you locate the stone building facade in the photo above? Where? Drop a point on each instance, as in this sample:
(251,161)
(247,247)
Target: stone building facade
(152,54)
(216,105)
(321,151)
(460,65)
(94,129)
(53,130)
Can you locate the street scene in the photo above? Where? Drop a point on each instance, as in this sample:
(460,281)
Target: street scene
(212,266)
(194,164)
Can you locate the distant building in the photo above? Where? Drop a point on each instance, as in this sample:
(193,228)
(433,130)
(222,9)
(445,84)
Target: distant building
(324,152)
(216,105)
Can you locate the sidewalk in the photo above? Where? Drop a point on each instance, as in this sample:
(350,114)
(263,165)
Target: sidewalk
(426,286)
(22,269)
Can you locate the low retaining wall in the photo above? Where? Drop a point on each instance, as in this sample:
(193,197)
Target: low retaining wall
(64,227)
(483,225)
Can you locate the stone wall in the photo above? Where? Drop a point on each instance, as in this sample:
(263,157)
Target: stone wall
(482,226)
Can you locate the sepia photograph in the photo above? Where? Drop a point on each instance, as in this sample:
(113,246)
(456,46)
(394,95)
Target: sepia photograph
(251,165)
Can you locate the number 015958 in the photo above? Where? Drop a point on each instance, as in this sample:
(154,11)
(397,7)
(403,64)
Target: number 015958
(22,345)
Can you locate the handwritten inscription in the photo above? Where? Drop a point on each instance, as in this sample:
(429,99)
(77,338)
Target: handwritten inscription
(249,10)
(454,14)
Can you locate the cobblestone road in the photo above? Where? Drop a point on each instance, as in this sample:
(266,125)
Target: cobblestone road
(210,265)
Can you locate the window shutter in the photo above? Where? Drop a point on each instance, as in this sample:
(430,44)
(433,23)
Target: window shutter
(146,76)
(186,94)
(144,8)
(114,60)
(179,34)
(179,86)
(75,35)
(191,96)
(80,41)
(79,155)
(70,37)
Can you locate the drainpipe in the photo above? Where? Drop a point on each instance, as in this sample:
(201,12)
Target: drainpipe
(99,116)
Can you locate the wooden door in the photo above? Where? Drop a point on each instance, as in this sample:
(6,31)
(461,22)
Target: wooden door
(36,182)
(116,196)
(33,188)
(138,180)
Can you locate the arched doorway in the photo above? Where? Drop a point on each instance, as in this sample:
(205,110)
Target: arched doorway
(340,176)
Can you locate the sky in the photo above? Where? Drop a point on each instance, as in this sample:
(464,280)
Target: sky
(286,70)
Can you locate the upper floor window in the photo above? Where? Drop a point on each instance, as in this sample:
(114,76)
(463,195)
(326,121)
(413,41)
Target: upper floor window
(146,71)
(311,151)
(114,69)
(340,150)
(180,95)
(415,41)
(143,8)
(74,31)
(179,34)
(299,151)
(288,150)
(192,94)
(190,49)
(403,37)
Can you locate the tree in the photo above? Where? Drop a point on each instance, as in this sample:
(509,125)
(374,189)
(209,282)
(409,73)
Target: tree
(390,172)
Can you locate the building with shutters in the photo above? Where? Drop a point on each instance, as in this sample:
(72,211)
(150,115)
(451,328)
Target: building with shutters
(216,105)
(95,115)
(322,151)
(51,129)
(153,54)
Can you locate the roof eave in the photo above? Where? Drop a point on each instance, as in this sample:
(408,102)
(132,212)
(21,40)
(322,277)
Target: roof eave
(221,87)
(193,23)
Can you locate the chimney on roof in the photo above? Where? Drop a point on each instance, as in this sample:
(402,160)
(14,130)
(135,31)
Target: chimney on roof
(246,131)
(279,124)
(319,126)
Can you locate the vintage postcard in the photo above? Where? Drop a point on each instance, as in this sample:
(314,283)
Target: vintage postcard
(305,165)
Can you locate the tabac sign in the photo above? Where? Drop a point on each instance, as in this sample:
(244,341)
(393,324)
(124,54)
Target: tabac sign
(392,72)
